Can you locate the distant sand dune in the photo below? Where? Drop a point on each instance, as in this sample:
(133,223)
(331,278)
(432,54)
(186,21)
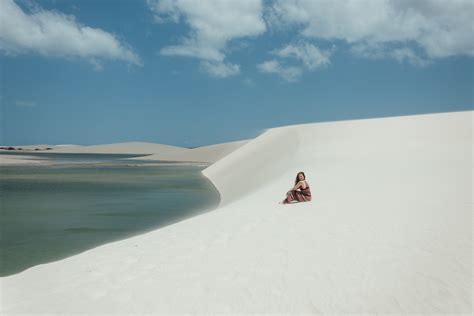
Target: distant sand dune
(21,160)
(209,153)
(389,230)
(150,151)
(119,148)
(30,146)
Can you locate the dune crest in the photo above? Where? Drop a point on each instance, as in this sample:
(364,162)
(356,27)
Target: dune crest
(210,153)
(119,148)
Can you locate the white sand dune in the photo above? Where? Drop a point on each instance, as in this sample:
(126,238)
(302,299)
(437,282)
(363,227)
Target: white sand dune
(21,160)
(119,148)
(29,146)
(211,153)
(67,145)
(151,151)
(389,230)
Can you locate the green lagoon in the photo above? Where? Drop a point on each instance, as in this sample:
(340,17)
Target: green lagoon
(80,201)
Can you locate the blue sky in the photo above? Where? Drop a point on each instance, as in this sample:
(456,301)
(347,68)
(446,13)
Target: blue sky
(192,73)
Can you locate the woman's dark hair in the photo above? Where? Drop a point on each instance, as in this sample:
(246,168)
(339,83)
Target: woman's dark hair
(297,176)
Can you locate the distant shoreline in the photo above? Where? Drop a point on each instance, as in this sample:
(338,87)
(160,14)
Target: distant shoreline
(24,158)
(141,150)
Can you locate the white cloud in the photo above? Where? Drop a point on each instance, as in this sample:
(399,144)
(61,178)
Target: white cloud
(406,54)
(311,56)
(220,69)
(213,23)
(289,73)
(378,51)
(439,28)
(52,33)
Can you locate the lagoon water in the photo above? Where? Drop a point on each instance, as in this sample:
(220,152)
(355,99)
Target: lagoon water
(80,201)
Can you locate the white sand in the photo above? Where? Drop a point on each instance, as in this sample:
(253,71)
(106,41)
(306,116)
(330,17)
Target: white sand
(389,230)
(31,147)
(24,159)
(151,151)
(21,160)
(211,153)
(118,148)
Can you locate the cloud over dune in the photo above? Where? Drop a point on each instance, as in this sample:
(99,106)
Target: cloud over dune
(289,73)
(307,56)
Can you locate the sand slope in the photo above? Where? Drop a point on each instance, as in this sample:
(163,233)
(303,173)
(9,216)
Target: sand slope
(151,151)
(211,153)
(21,160)
(42,146)
(118,148)
(389,230)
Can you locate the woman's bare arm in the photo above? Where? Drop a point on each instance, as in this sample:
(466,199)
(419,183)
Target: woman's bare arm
(299,184)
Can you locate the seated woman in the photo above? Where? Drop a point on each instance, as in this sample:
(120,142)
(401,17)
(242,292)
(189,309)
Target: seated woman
(304,195)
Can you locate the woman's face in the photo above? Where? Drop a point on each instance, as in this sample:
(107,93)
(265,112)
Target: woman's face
(300,177)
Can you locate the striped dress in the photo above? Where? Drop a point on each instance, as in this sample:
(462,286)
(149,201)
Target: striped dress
(304,195)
